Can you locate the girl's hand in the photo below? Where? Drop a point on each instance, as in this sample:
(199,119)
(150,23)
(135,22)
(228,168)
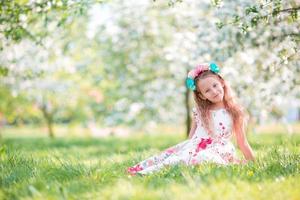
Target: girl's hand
(243,161)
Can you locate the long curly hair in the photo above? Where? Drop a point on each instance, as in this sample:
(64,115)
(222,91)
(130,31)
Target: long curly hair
(239,116)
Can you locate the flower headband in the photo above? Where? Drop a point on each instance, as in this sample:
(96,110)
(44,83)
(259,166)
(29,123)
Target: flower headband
(190,81)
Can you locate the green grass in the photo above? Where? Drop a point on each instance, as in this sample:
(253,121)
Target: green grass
(83,168)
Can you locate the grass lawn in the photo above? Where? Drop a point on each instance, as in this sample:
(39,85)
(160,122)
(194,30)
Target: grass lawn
(86,168)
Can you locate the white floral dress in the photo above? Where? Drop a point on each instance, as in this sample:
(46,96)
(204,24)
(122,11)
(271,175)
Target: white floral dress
(216,148)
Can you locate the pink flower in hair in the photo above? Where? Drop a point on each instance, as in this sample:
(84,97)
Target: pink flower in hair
(198,70)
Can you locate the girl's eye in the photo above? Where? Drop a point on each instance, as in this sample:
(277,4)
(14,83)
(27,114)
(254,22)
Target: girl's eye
(215,85)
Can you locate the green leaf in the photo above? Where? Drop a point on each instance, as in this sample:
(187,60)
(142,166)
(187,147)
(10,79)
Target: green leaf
(244,28)
(294,14)
(251,9)
(219,25)
(254,21)
(216,2)
(236,19)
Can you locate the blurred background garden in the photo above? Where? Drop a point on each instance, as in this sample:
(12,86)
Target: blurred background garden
(97,79)
(94,68)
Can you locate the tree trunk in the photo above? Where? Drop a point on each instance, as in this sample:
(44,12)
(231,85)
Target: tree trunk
(187,107)
(50,126)
(49,121)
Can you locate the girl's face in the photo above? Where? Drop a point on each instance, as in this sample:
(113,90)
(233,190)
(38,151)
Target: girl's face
(211,89)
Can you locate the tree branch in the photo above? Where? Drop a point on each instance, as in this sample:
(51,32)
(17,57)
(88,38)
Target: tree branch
(289,9)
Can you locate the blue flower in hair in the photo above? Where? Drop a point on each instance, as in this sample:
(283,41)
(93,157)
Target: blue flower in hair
(190,83)
(214,68)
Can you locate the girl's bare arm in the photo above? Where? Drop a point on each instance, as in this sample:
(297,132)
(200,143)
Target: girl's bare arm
(244,145)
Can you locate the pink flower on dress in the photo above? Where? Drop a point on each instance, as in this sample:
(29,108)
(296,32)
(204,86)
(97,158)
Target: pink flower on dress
(228,157)
(171,150)
(194,162)
(134,170)
(150,162)
(203,143)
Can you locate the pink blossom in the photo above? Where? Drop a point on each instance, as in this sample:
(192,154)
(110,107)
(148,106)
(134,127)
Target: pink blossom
(198,70)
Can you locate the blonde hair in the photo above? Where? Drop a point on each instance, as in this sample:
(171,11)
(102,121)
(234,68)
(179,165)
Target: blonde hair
(239,116)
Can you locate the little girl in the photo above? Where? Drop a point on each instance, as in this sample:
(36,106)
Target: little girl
(216,118)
